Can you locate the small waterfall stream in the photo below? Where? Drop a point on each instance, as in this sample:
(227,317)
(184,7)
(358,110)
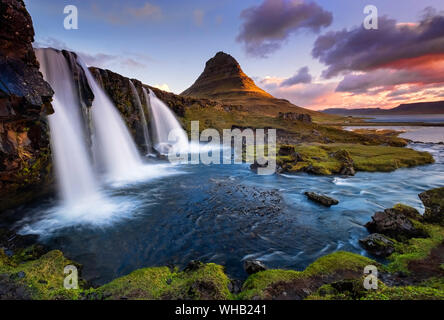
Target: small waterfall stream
(74,171)
(142,115)
(112,142)
(165,124)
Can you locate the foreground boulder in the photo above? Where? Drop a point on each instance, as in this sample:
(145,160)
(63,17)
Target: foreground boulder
(398,223)
(378,245)
(254,266)
(434,203)
(322,199)
(347,163)
(25,156)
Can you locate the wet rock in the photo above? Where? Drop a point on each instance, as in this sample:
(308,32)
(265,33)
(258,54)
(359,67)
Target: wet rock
(11,290)
(378,245)
(289,151)
(350,287)
(434,205)
(235,286)
(256,165)
(394,224)
(18,275)
(24,245)
(193,265)
(254,266)
(25,100)
(84,90)
(347,163)
(407,211)
(322,199)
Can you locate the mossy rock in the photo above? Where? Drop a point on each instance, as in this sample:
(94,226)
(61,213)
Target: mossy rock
(415,249)
(206,282)
(43,277)
(354,290)
(336,158)
(337,263)
(434,202)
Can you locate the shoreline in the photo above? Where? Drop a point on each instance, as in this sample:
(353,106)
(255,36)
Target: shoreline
(385,124)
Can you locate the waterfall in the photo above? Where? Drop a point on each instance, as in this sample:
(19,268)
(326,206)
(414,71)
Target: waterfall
(146,135)
(71,158)
(164,122)
(113,145)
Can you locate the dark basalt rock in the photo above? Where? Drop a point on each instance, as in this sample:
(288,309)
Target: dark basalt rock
(303,117)
(25,157)
(322,199)
(256,165)
(394,224)
(12,290)
(254,266)
(378,245)
(434,205)
(84,91)
(289,151)
(193,265)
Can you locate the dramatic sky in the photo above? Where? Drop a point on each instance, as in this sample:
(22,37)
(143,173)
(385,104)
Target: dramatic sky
(316,53)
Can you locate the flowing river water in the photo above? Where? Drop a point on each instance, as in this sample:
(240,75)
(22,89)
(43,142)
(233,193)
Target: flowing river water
(225,214)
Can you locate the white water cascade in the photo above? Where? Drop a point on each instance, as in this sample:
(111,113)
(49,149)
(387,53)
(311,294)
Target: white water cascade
(142,116)
(113,145)
(164,122)
(74,171)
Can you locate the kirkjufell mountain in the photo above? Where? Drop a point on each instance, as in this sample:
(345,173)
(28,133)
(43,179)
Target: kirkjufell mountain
(223,80)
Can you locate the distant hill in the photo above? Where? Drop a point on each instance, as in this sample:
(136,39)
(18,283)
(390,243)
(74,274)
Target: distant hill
(223,80)
(436,107)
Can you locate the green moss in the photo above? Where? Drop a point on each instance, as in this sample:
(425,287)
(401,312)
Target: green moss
(357,292)
(148,283)
(207,282)
(323,159)
(218,118)
(42,277)
(408,211)
(405,293)
(258,282)
(415,248)
(255,285)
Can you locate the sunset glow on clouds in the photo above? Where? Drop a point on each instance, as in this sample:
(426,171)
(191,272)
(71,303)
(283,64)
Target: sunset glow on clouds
(399,62)
(315,53)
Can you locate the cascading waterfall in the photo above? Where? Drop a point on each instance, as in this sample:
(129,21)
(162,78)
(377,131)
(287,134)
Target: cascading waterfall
(164,122)
(72,162)
(84,202)
(112,143)
(142,115)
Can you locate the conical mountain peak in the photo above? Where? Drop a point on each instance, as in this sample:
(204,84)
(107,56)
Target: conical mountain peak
(223,78)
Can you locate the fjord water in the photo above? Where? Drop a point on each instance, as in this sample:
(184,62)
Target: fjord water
(73,164)
(165,124)
(146,135)
(226,213)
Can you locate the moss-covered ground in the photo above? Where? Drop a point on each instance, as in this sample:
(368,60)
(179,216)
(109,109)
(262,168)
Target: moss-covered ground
(321,159)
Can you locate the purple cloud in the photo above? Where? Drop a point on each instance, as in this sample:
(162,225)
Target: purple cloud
(362,50)
(303,76)
(266,26)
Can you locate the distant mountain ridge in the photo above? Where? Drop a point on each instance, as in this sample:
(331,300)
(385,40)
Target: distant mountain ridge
(223,80)
(436,107)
